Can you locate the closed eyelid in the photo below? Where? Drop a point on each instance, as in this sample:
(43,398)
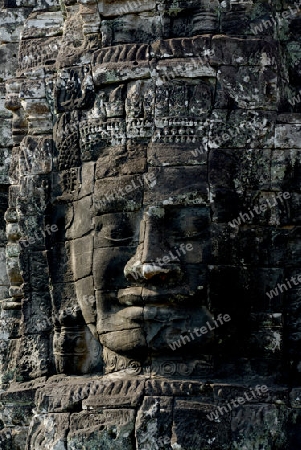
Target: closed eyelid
(118,240)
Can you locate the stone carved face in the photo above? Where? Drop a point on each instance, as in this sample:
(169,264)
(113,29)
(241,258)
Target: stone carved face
(140,225)
(154,163)
(150,273)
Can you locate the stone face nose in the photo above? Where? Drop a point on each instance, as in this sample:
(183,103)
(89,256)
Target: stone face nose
(153,258)
(147,271)
(150,270)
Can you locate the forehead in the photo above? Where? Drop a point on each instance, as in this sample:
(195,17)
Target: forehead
(160,183)
(154,120)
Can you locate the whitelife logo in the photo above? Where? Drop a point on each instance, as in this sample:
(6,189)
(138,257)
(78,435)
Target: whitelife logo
(296,99)
(287,285)
(200,331)
(247,216)
(31,240)
(220,410)
(284,15)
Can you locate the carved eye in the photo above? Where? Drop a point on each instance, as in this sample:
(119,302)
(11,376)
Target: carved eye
(187,224)
(120,234)
(126,239)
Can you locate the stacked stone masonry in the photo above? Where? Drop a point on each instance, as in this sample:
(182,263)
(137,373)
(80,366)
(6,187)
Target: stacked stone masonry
(150,186)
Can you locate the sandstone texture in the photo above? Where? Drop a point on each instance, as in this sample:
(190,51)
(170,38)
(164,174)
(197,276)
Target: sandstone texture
(150,244)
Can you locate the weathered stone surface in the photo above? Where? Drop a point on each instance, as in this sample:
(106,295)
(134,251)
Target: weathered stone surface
(111,429)
(192,429)
(8,52)
(48,430)
(43,24)
(149,228)
(82,226)
(12,23)
(154,421)
(260,421)
(81,256)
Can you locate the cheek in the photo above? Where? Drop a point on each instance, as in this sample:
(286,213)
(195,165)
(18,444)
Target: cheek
(108,266)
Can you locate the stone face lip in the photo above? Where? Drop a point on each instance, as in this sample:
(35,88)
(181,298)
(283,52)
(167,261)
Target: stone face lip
(142,295)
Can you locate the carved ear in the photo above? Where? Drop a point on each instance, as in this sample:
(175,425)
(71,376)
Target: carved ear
(86,300)
(76,347)
(94,359)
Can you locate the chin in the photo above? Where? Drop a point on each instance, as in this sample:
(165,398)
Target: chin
(125,342)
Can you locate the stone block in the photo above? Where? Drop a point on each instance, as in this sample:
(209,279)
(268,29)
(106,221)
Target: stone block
(194,426)
(53,428)
(113,429)
(82,219)
(81,250)
(8,60)
(43,24)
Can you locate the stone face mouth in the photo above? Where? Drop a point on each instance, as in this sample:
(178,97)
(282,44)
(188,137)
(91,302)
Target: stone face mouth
(154,296)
